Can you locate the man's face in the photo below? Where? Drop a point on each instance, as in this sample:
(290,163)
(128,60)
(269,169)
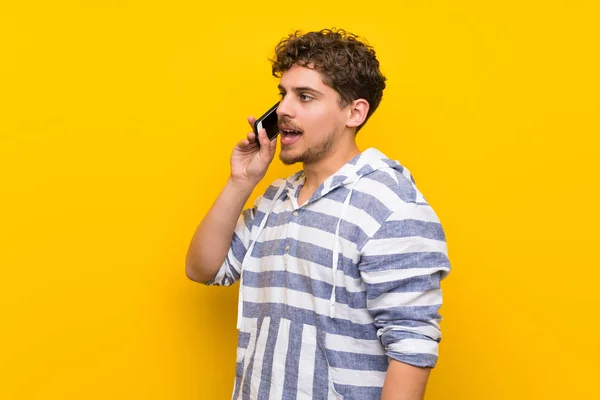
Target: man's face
(310,117)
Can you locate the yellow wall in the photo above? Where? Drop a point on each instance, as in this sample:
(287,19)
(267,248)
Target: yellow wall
(117,119)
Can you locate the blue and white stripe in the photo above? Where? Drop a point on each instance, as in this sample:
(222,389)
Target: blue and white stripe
(309,329)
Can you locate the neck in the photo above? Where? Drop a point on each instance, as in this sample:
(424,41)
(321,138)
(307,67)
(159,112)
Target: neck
(317,172)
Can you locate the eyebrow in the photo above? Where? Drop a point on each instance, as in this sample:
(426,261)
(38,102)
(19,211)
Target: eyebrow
(301,89)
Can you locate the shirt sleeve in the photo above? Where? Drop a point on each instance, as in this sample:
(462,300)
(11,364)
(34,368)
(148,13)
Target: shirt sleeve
(402,265)
(229,272)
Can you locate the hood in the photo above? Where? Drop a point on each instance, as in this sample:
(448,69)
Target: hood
(362,165)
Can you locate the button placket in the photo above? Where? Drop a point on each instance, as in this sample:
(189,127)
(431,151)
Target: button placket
(287,244)
(287,239)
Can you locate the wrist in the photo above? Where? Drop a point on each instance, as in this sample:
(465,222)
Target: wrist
(243,187)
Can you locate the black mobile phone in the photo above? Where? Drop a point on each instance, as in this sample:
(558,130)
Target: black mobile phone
(269,122)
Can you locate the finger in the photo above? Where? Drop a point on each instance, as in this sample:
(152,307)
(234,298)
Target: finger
(251,121)
(264,142)
(251,137)
(242,144)
(273,147)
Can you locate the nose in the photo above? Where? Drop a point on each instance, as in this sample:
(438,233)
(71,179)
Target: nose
(285,108)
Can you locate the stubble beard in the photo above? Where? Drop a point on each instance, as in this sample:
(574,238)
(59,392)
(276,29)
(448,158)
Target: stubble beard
(310,155)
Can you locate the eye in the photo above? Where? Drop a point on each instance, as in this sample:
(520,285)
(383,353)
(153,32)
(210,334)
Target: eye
(281,94)
(305,98)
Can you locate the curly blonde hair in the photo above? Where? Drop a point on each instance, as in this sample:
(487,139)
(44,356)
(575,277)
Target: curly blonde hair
(347,64)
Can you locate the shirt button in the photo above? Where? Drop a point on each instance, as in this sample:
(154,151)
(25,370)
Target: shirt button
(287,247)
(295,213)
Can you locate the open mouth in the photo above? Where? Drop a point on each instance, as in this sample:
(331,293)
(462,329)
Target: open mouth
(290,136)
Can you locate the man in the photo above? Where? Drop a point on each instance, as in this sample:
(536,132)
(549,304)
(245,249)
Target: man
(340,264)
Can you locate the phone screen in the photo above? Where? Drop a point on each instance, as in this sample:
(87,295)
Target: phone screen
(269,122)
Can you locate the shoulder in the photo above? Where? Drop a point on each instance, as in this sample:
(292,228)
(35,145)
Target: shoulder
(394,185)
(273,188)
(386,190)
(391,198)
(277,186)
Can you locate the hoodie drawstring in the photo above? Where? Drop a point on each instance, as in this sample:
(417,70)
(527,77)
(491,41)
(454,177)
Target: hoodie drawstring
(334,266)
(249,252)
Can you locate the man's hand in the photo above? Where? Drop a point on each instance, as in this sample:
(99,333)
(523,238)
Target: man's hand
(249,163)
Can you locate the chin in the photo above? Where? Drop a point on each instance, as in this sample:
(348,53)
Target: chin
(288,157)
(289,160)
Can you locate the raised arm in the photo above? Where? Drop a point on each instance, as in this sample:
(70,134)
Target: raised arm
(212,239)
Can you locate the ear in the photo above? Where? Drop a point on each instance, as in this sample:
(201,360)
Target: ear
(357,113)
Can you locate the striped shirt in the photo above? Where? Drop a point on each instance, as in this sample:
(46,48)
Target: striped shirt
(332,289)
